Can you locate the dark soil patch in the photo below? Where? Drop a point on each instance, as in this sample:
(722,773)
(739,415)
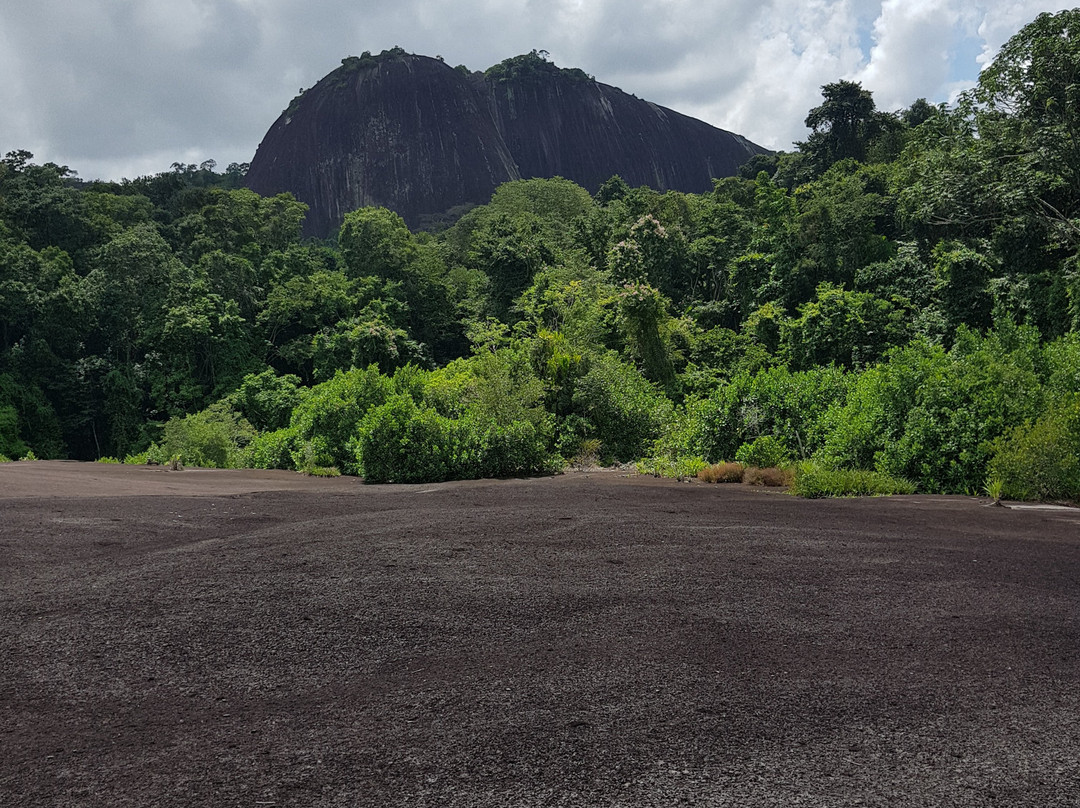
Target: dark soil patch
(264,639)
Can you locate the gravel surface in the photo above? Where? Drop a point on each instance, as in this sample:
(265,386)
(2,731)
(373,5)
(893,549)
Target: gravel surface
(218,638)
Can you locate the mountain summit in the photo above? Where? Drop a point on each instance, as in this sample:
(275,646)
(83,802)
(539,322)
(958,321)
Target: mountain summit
(415,135)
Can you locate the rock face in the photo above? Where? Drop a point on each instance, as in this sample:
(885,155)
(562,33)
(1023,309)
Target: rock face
(416,136)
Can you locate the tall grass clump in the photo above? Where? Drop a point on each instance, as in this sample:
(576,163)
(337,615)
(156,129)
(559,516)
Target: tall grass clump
(771,476)
(812,480)
(722,473)
(677,468)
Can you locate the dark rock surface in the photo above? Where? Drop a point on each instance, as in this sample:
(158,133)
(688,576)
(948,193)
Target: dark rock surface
(414,135)
(582,640)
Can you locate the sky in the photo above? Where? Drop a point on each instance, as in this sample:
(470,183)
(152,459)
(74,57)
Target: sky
(125,88)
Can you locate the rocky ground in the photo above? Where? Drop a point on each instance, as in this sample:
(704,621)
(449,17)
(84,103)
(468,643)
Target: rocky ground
(220,638)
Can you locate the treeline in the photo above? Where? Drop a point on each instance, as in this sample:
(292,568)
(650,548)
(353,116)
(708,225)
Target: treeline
(900,294)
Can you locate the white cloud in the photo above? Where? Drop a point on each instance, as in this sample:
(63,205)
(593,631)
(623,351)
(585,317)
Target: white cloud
(910,56)
(121,87)
(1002,20)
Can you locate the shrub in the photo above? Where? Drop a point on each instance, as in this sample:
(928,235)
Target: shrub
(763,452)
(402,442)
(4,459)
(267,400)
(322,471)
(29,456)
(329,415)
(157,454)
(1040,460)
(139,459)
(813,480)
(517,449)
(215,438)
(932,416)
(398,442)
(625,411)
(772,476)
(109,460)
(274,450)
(722,473)
(788,406)
(10,444)
(587,454)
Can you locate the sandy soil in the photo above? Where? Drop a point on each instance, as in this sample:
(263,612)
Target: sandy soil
(213,638)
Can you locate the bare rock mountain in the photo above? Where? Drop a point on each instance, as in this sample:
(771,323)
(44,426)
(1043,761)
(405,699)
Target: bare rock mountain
(414,135)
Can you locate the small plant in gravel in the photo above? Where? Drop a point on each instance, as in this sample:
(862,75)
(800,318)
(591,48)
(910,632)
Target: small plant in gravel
(813,480)
(588,453)
(107,460)
(140,459)
(722,473)
(994,489)
(29,456)
(4,459)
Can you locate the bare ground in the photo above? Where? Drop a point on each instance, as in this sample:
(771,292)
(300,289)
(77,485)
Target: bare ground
(215,638)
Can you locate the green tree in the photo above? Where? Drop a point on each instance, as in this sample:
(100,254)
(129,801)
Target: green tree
(842,126)
(849,329)
(376,241)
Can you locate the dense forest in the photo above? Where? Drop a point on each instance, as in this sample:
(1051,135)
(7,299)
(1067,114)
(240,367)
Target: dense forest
(896,300)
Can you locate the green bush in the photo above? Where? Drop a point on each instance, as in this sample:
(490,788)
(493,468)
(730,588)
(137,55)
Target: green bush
(216,437)
(267,400)
(788,406)
(108,460)
(518,449)
(812,480)
(274,450)
(10,444)
(931,416)
(398,442)
(1040,460)
(763,452)
(329,415)
(4,459)
(624,411)
(402,442)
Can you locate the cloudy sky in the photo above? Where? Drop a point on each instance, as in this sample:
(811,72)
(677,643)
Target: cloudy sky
(121,88)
